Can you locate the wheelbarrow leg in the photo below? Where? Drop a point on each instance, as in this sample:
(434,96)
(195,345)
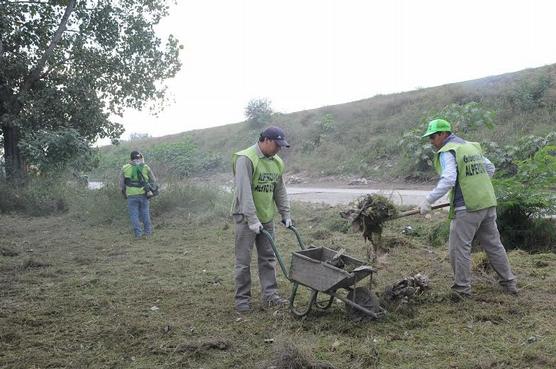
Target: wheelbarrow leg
(324,304)
(312,299)
(354,305)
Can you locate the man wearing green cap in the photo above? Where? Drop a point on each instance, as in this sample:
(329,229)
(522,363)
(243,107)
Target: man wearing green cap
(465,173)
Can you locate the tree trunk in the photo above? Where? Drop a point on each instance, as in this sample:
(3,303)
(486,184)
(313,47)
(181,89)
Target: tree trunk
(14,163)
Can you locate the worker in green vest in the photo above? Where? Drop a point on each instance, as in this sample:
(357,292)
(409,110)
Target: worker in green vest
(465,173)
(133,177)
(259,190)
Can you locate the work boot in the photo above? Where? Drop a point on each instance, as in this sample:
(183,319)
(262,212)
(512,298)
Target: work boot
(243,309)
(511,290)
(457,296)
(275,300)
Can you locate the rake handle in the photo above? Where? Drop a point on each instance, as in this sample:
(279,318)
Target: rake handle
(416,211)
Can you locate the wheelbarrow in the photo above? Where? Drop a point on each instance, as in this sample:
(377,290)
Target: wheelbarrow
(323,270)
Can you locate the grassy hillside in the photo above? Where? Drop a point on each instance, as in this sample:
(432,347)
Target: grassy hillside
(360,138)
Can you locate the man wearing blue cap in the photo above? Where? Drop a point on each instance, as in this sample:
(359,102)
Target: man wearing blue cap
(465,173)
(133,177)
(259,189)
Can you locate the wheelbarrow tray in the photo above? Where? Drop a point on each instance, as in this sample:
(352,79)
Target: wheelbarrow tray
(309,268)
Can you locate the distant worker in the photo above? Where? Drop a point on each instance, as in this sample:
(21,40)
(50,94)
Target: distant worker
(466,173)
(133,178)
(258,187)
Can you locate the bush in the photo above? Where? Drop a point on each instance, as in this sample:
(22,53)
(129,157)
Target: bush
(535,235)
(529,95)
(37,197)
(525,198)
(180,159)
(418,153)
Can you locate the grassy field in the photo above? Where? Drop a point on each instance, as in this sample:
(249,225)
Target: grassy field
(76,294)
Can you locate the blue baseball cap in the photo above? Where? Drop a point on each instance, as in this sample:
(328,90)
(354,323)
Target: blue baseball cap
(277,135)
(135,155)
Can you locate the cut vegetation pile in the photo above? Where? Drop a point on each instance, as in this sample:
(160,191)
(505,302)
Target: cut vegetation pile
(368,213)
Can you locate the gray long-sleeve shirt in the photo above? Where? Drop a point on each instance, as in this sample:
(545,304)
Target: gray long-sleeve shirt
(244,206)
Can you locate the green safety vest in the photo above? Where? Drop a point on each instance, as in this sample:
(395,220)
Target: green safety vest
(473,178)
(266,172)
(133,184)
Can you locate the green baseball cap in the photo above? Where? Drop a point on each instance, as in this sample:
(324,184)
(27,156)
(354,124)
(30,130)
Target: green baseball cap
(438,125)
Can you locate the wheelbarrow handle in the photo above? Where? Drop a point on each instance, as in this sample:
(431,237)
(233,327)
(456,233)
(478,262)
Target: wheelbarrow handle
(416,211)
(298,236)
(275,249)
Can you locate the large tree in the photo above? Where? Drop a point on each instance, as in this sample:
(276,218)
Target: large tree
(67,66)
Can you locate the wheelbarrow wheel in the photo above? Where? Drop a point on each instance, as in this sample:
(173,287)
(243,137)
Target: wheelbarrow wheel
(365,298)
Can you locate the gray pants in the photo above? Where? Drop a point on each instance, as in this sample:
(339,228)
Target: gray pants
(266,260)
(463,228)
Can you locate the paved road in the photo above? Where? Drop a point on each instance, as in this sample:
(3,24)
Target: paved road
(339,196)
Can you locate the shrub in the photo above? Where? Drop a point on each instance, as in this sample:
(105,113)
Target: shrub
(36,197)
(523,199)
(528,95)
(418,154)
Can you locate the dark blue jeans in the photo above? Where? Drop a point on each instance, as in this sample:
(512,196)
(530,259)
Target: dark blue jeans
(138,207)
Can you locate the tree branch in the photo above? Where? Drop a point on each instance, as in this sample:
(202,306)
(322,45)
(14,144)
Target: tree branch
(53,67)
(36,72)
(26,2)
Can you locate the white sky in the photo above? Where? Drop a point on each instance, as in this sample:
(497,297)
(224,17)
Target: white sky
(304,54)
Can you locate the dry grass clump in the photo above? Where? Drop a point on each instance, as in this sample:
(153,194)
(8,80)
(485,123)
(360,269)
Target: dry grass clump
(289,356)
(480,263)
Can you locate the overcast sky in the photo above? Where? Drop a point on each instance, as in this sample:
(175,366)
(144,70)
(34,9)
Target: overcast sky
(304,54)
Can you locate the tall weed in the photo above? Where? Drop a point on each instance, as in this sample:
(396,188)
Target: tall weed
(107,205)
(204,202)
(37,197)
